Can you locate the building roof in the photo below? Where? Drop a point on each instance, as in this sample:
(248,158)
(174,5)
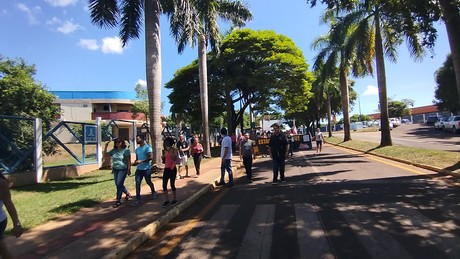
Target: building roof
(66,95)
(414,111)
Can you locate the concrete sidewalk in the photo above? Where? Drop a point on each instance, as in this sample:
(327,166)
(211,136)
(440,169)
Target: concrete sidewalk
(106,232)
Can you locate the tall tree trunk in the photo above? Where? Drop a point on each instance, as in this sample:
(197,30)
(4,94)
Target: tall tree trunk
(385,139)
(153,73)
(345,103)
(203,73)
(452,19)
(329,111)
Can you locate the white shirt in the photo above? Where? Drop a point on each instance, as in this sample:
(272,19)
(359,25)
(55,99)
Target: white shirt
(226,143)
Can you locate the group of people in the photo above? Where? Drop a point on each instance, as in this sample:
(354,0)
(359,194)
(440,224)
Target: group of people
(174,156)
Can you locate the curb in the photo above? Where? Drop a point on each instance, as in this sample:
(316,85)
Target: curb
(151,229)
(428,167)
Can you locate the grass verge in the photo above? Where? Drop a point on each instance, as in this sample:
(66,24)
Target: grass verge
(441,159)
(39,203)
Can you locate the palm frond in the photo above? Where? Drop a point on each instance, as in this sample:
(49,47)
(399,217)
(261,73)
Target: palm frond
(131,19)
(104,13)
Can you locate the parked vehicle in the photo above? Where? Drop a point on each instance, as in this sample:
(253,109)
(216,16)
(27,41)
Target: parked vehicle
(440,123)
(406,121)
(395,121)
(432,119)
(389,123)
(452,124)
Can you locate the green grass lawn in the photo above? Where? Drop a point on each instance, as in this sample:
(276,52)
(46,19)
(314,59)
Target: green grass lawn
(39,203)
(438,158)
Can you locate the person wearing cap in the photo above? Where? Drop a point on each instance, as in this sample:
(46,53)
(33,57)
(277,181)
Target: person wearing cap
(226,156)
(278,147)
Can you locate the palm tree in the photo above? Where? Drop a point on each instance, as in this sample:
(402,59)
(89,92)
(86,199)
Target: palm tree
(195,21)
(451,17)
(332,54)
(372,37)
(128,15)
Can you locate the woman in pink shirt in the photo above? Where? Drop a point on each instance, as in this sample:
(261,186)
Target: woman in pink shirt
(170,157)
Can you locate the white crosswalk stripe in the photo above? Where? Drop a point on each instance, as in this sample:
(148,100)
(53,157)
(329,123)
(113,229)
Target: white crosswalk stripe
(375,235)
(205,241)
(311,236)
(258,238)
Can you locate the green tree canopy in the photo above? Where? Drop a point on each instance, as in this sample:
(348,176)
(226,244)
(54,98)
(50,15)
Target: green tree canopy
(21,95)
(446,95)
(260,68)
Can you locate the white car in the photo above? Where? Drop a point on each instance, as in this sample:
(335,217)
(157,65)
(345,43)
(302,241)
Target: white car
(440,123)
(395,121)
(389,124)
(453,124)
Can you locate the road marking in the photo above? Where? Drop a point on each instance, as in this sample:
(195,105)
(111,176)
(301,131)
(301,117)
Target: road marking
(372,234)
(311,236)
(257,241)
(441,234)
(188,226)
(201,245)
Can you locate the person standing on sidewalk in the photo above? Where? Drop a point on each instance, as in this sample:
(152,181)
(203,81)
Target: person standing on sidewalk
(170,172)
(143,158)
(197,154)
(183,147)
(319,140)
(226,156)
(121,166)
(5,199)
(247,155)
(278,147)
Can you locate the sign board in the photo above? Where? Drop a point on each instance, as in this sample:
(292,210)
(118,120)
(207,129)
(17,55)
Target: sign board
(90,134)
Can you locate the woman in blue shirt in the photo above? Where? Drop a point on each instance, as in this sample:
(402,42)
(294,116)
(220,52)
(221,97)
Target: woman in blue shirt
(121,166)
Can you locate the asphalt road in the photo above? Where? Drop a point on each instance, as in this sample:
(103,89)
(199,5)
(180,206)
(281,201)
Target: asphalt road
(339,204)
(413,135)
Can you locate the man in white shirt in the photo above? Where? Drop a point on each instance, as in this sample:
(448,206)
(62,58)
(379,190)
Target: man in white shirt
(226,156)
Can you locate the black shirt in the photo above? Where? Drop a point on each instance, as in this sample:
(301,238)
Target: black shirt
(278,145)
(182,145)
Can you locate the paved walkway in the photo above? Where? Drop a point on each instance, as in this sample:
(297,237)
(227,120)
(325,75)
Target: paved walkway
(106,232)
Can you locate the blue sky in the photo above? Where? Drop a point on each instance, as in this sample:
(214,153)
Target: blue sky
(71,54)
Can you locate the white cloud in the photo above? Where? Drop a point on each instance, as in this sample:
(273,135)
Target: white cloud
(112,45)
(30,12)
(65,27)
(61,3)
(68,27)
(142,83)
(371,90)
(90,44)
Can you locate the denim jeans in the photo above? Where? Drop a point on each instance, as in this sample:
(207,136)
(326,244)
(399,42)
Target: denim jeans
(140,174)
(247,162)
(119,175)
(279,164)
(226,165)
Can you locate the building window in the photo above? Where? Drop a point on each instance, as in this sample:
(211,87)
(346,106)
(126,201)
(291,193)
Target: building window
(105,108)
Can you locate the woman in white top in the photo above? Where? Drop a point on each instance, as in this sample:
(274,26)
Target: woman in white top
(5,199)
(319,140)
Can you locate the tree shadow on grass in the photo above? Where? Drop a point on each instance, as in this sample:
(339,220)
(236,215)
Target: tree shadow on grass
(56,186)
(74,206)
